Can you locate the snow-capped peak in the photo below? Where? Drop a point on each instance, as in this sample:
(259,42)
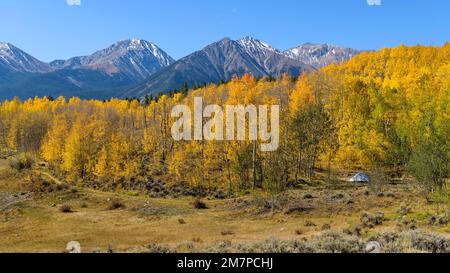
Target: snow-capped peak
(255,46)
(14,59)
(135,58)
(6,50)
(136,44)
(136,41)
(4,46)
(319,55)
(139,46)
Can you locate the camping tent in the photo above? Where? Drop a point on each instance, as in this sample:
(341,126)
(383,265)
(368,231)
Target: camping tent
(360,178)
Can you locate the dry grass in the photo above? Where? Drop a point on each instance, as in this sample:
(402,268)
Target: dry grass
(35,225)
(197,240)
(227,232)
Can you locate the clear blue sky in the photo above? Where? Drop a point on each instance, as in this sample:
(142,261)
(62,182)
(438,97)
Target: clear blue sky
(51,29)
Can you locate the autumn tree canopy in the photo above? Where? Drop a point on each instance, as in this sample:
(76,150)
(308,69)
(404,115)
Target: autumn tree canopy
(387,109)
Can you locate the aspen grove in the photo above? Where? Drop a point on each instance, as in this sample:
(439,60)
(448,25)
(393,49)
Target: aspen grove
(387,110)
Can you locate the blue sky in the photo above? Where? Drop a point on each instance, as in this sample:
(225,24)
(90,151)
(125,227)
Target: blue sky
(52,29)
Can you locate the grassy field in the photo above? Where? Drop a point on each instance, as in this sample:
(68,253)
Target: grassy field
(33,221)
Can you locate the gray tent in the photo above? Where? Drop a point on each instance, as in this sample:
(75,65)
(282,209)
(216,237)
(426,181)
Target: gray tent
(360,178)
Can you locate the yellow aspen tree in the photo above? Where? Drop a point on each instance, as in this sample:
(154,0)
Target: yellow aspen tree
(74,160)
(53,145)
(101,168)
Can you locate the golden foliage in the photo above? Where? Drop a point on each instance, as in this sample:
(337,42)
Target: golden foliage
(375,109)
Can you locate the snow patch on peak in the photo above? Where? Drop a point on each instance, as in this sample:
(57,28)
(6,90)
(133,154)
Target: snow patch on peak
(139,44)
(319,55)
(136,41)
(135,59)
(4,46)
(15,59)
(252,45)
(260,51)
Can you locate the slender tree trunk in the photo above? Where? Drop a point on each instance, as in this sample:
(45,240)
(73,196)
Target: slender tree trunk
(329,165)
(163,143)
(298,165)
(254,164)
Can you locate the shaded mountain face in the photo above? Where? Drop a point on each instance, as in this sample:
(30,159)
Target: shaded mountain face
(101,75)
(133,59)
(258,50)
(83,83)
(320,55)
(134,68)
(12,59)
(220,61)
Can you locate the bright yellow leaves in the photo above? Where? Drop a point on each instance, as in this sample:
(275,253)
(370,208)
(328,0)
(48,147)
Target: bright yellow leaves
(378,108)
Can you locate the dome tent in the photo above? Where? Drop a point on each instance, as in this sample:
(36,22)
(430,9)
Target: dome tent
(360,178)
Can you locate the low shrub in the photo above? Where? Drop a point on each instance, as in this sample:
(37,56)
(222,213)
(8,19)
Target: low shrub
(391,195)
(116,204)
(197,240)
(199,204)
(278,246)
(338,196)
(412,241)
(309,223)
(355,230)
(334,242)
(430,242)
(409,223)
(308,196)
(391,242)
(404,209)
(438,220)
(65,209)
(227,232)
(326,227)
(371,220)
(157,248)
(37,184)
(21,162)
(299,231)
(326,242)
(62,187)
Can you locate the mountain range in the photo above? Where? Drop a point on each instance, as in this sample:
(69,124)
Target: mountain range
(135,68)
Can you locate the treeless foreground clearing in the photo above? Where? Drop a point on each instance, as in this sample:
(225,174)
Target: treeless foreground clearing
(124,222)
